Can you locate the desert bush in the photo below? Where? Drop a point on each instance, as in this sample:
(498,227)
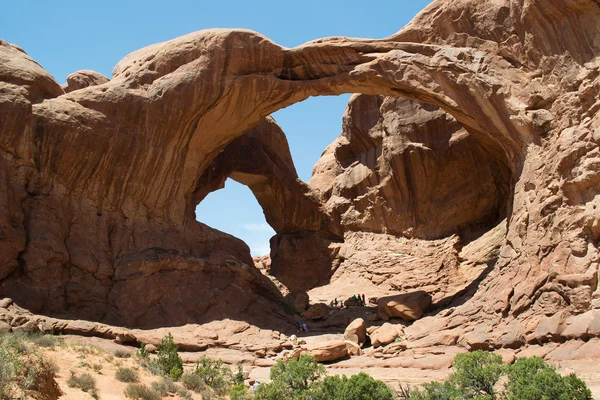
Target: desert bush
(85,382)
(291,379)
(168,361)
(138,391)
(532,379)
(127,375)
(239,392)
(238,376)
(122,353)
(192,382)
(477,373)
(164,386)
(437,391)
(49,341)
(357,387)
(21,371)
(214,374)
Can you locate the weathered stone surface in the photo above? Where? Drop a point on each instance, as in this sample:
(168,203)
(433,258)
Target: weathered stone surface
(408,306)
(356,332)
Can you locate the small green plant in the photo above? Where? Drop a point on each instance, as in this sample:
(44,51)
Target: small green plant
(238,376)
(49,341)
(142,353)
(239,392)
(122,353)
(85,382)
(127,375)
(164,386)
(192,382)
(97,368)
(138,391)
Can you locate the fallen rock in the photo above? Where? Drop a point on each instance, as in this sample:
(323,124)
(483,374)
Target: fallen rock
(356,332)
(408,306)
(328,351)
(385,334)
(317,311)
(298,300)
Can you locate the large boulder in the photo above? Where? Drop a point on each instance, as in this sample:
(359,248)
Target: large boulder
(298,300)
(356,332)
(385,334)
(328,351)
(408,306)
(317,311)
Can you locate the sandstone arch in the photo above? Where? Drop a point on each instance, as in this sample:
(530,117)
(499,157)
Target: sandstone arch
(101,182)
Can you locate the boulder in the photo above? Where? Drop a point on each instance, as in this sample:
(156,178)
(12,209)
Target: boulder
(356,332)
(317,311)
(408,306)
(385,334)
(298,300)
(328,351)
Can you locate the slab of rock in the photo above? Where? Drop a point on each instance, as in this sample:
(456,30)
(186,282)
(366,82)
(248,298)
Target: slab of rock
(408,306)
(317,311)
(385,334)
(356,332)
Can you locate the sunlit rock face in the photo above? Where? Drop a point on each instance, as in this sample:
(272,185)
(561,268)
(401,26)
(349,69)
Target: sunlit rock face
(98,186)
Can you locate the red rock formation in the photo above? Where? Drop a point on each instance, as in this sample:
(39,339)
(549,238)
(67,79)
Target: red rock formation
(98,186)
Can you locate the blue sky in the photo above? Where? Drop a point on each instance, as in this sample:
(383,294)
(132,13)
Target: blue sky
(65,36)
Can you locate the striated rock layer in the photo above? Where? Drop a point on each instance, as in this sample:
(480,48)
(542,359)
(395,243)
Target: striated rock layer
(501,120)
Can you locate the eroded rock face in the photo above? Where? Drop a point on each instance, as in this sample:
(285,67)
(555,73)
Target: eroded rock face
(98,186)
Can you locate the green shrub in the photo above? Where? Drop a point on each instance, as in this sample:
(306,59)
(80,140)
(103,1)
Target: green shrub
(214,374)
(192,382)
(50,341)
(291,379)
(238,376)
(477,372)
(85,382)
(357,387)
(127,375)
(164,386)
(532,379)
(239,392)
(437,391)
(168,360)
(297,374)
(141,392)
(142,353)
